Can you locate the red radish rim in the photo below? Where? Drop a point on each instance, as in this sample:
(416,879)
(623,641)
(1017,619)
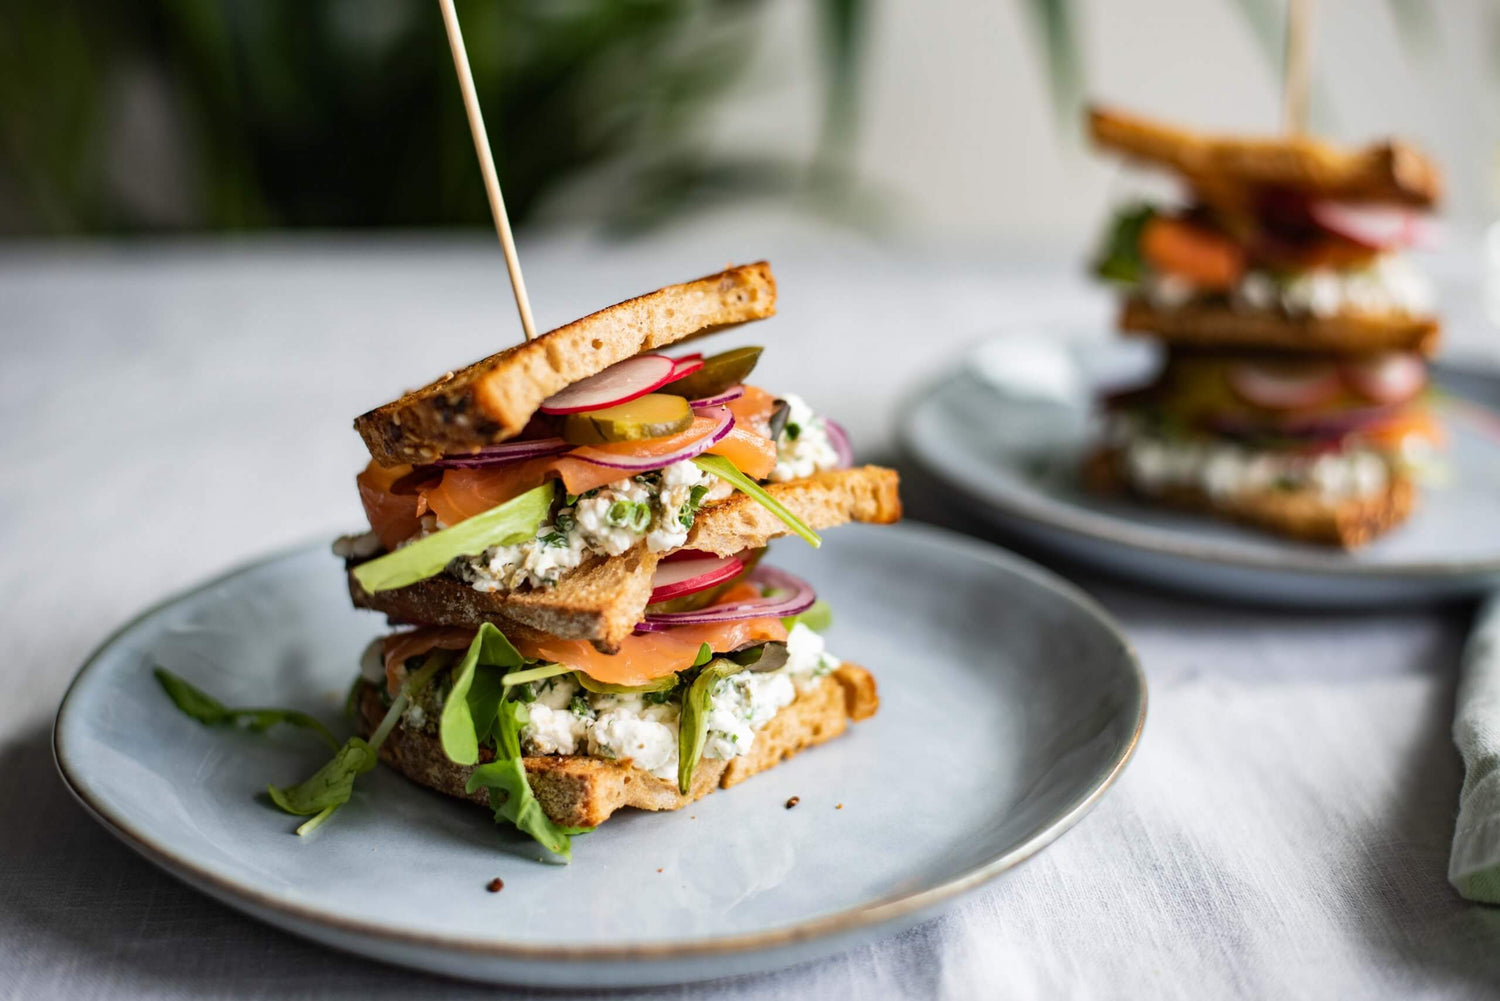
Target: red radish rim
(594,393)
(504,454)
(1368,377)
(799,598)
(684,578)
(1378,227)
(649,463)
(727,396)
(1286,392)
(685,366)
(839,439)
(1322,426)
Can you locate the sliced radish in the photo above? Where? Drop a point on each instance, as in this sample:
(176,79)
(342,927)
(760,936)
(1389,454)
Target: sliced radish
(620,383)
(1285,387)
(1391,377)
(698,572)
(685,366)
(1381,227)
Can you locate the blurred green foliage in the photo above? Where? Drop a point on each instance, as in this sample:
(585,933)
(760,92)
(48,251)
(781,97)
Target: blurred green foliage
(148,114)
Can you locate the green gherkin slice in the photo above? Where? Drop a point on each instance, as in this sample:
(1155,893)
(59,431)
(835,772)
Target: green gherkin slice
(719,372)
(655,415)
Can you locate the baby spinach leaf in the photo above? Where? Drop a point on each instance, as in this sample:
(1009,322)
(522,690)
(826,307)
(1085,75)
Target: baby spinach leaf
(692,730)
(459,726)
(211,712)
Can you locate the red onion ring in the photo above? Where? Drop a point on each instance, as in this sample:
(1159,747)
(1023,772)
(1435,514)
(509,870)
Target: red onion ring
(799,599)
(1324,426)
(500,455)
(839,439)
(719,399)
(649,463)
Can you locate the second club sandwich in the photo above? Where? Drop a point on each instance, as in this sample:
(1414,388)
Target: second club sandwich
(575,528)
(1287,243)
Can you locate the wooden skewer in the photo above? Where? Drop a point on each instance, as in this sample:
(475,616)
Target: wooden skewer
(487,164)
(1295,69)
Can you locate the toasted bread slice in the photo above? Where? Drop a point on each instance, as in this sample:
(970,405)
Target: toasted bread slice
(1390,171)
(1299,514)
(604,599)
(580,791)
(1223,326)
(491,400)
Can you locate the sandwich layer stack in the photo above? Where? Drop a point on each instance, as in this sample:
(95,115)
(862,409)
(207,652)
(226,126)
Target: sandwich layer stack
(570,536)
(1293,393)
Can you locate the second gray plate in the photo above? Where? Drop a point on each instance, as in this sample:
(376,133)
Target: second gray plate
(1007,433)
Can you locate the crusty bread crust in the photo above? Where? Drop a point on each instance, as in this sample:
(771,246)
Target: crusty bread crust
(1299,515)
(491,400)
(579,791)
(1390,171)
(604,599)
(1222,326)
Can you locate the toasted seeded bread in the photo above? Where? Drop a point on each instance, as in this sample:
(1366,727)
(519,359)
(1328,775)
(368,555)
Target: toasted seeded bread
(1389,171)
(579,791)
(1299,515)
(604,599)
(491,400)
(1222,326)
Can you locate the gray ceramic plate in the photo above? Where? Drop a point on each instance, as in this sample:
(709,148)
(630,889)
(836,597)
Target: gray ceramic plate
(1009,704)
(1008,430)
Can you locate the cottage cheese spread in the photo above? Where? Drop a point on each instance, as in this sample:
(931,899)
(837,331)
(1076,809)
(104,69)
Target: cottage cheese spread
(1225,469)
(803,447)
(568,719)
(1388,284)
(658,508)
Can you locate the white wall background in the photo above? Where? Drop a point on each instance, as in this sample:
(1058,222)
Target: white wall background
(959,132)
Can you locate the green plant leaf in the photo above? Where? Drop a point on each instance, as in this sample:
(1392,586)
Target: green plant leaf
(506,524)
(511,798)
(1053,22)
(211,712)
(464,723)
(1120,258)
(330,787)
(818,617)
(725,470)
(692,728)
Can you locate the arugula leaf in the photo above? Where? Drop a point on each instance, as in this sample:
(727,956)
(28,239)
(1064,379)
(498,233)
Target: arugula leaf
(818,617)
(539,673)
(211,712)
(1120,259)
(509,790)
(331,786)
(463,722)
(692,730)
(725,470)
(506,524)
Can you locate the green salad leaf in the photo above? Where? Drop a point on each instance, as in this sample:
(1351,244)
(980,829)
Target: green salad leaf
(818,617)
(506,524)
(692,729)
(1120,258)
(725,470)
(484,704)
(509,790)
(211,712)
(331,786)
(469,713)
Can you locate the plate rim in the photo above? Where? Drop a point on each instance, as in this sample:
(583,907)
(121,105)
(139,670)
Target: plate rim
(870,915)
(1081,523)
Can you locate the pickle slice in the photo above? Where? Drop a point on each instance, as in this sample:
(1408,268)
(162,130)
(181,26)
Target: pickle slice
(718,373)
(655,415)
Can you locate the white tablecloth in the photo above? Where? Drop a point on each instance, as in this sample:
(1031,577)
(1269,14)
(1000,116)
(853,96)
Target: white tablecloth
(168,411)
